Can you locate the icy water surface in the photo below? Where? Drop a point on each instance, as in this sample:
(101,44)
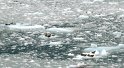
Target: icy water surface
(80,23)
(29,50)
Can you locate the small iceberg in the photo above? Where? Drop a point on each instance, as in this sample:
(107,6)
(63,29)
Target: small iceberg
(23,27)
(83,17)
(59,30)
(55,43)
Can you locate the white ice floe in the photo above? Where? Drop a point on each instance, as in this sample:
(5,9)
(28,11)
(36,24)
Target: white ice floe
(87,2)
(78,57)
(70,54)
(121,16)
(98,52)
(98,0)
(93,45)
(89,25)
(79,10)
(55,43)
(83,17)
(121,46)
(99,15)
(59,30)
(36,13)
(77,38)
(113,3)
(79,65)
(25,27)
(117,34)
(121,9)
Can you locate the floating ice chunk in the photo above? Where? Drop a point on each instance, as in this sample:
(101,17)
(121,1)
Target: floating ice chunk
(113,3)
(32,61)
(89,12)
(98,0)
(70,54)
(117,34)
(114,56)
(24,27)
(59,30)
(7,59)
(93,45)
(47,25)
(55,43)
(99,35)
(87,2)
(97,53)
(1,44)
(103,53)
(121,16)
(79,10)
(72,66)
(97,16)
(55,23)
(36,13)
(83,17)
(67,11)
(121,45)
(21,39)
(59,67)
(121,9)
(89,25)
(103,28)
(78,39)
(78,57)
(79,65)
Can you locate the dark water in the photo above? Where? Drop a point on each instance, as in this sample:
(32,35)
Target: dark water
(30,53)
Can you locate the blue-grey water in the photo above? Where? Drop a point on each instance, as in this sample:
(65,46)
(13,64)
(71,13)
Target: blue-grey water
(95,22)
(27,50)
